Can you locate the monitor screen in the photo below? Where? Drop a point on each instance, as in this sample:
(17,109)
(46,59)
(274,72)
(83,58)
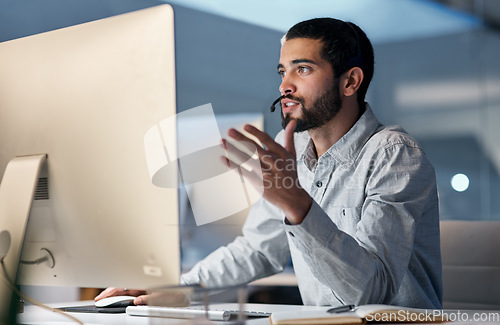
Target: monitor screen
(86,96)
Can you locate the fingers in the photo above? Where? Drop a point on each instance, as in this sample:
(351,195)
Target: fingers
(289,141)
(141,300)
(247,161)
(247,142)
(273,148)
(254,176)
(263,137)
(268,142)
(270,157)
(110,292)
(247,147)
(238,156)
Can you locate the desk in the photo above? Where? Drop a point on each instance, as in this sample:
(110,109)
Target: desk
(36,315)
(39,316)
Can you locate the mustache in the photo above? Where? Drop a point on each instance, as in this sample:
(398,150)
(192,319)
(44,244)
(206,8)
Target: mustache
(289,96)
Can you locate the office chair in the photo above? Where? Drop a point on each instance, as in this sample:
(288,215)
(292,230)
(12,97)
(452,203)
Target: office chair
(470,253)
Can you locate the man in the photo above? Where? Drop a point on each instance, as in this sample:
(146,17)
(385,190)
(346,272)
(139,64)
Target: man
(352,201)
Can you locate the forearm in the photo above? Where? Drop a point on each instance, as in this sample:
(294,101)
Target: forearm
(261,251)
(234,264)
(354,268)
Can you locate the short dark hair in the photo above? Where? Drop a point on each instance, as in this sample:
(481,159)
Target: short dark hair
(345,46)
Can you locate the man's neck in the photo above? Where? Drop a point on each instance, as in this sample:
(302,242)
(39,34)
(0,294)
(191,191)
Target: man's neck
(326,136)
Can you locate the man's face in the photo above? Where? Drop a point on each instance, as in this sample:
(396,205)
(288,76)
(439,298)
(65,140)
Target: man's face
(312,92)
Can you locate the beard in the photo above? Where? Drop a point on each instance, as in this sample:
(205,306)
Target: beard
(323,110)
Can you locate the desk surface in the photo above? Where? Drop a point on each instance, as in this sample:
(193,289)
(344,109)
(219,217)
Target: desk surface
(39,316)
(36,315)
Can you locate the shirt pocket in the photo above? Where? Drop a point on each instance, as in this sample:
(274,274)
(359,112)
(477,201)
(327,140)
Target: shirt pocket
(347,219)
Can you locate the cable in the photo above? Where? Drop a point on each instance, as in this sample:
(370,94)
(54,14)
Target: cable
(5,278)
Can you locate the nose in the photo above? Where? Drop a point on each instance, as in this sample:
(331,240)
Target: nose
(287,86)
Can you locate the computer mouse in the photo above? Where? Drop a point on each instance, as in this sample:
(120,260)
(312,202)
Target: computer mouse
(115,301)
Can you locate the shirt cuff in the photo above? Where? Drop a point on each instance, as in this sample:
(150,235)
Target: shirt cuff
(189,279)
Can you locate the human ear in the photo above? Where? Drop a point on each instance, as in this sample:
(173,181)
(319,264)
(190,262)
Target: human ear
(352,82)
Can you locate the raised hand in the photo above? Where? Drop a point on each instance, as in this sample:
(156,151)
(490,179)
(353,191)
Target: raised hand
(274,168)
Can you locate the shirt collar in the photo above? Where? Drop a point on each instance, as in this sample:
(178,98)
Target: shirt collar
(348,147)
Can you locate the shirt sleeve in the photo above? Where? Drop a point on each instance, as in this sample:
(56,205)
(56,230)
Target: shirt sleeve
(260,252)
(369,266)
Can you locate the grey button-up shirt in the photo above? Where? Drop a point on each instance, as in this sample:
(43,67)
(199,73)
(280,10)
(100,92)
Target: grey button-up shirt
(371,235)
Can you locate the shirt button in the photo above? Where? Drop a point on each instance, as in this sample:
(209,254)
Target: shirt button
(319,184)
(291,234)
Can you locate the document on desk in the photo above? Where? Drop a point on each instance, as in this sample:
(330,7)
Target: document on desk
(357,315)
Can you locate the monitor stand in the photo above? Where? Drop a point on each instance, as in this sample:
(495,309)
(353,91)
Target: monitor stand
(17,189)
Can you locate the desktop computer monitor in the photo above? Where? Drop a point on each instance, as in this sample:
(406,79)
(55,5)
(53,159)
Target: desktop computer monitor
(84,98)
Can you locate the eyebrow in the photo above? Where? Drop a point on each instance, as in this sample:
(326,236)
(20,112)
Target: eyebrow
(297,61)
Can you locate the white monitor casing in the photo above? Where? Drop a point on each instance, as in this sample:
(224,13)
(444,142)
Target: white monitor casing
(85,96)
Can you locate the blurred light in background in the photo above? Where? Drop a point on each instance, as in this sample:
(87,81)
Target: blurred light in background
(460,182)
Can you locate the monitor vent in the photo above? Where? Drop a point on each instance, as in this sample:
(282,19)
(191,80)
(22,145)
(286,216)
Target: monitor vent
(42,189)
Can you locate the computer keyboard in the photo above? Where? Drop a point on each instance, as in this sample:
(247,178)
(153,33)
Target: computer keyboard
(220,312)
